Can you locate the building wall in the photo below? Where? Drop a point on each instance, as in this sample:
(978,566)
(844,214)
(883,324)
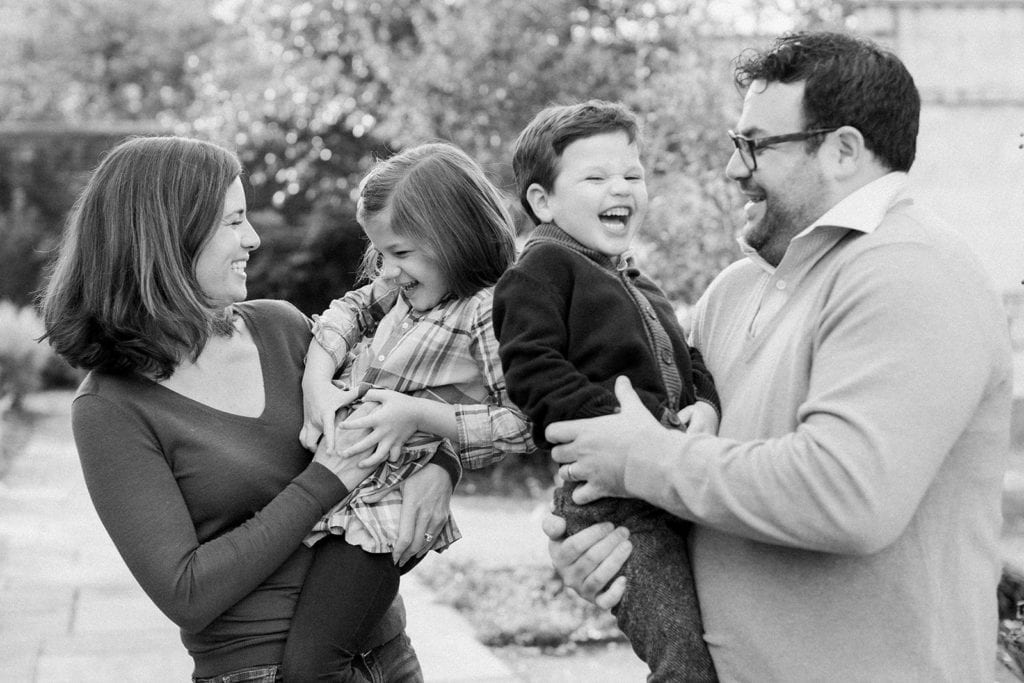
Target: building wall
(967,58)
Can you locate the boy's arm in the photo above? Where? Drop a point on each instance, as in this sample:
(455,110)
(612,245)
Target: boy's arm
(529,318)
(703,383)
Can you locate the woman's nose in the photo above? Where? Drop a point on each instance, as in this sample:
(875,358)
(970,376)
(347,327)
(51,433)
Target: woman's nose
(250,238)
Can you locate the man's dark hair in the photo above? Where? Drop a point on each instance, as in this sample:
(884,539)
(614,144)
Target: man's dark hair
(850,81)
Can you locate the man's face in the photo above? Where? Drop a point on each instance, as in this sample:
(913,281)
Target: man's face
(788,191)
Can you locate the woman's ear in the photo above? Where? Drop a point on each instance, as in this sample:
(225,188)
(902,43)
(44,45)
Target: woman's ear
(540,202)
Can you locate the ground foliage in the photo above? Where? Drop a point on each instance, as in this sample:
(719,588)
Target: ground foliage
(520,606)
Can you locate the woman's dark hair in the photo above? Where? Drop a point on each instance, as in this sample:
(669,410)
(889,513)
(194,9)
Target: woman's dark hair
(850,81)
(442,199)
(122,295)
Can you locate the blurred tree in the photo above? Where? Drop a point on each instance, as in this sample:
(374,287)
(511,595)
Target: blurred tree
(93,60)
(310,91)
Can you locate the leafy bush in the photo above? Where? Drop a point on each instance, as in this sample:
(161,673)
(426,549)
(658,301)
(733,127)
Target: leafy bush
(22,358)
(523,606)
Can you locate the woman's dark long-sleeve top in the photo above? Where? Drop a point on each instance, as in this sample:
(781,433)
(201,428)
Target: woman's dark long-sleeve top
(209,509)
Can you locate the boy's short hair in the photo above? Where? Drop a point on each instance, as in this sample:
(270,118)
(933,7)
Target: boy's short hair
(537,150)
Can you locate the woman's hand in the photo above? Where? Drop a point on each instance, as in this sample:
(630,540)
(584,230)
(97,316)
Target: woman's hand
(699,418)
(589,559)
(389,427)
(426,496)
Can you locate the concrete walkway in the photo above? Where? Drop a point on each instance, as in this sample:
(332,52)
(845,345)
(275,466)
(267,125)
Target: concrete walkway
(70,611)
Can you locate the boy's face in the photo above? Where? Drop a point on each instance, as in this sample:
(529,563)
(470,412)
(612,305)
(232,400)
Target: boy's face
(599,195)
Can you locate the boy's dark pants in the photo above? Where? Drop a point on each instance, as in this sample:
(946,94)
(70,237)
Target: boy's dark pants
(659,610)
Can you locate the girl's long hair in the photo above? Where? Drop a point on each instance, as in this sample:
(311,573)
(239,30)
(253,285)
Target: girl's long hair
(442,199)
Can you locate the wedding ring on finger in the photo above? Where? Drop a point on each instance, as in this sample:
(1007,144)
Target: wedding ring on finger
(429,538)
(568,473)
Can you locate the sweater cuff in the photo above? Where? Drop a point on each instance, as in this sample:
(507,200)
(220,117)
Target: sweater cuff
(449,462)
(323,485)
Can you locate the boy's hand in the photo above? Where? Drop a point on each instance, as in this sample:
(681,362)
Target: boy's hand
(391,425)
(320,402)
(699,418)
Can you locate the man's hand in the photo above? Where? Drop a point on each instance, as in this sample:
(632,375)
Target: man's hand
(589,559)
(595,450)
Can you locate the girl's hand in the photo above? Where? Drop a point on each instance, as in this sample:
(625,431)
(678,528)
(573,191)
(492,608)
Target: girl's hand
(320,402)
(391,424)
(345,468)
(699,418)
(425,499)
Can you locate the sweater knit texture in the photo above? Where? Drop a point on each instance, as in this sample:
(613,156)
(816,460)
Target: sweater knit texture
(848,514)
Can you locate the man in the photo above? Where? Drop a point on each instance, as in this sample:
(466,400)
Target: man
(847,515)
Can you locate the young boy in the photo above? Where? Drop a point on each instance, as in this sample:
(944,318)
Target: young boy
(573,314)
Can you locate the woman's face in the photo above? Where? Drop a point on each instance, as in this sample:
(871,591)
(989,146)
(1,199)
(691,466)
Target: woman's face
(220,268)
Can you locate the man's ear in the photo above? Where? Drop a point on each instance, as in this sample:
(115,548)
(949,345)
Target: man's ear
(849,153)
(539,201)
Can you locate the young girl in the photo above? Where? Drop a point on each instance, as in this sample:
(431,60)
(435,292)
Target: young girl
(427,380)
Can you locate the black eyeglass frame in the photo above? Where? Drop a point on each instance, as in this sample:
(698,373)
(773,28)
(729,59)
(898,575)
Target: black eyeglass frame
(748,147)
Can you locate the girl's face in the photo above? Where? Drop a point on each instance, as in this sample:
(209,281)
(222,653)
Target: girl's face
(406,263)
(220,267)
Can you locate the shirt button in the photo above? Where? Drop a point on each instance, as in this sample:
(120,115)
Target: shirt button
(666,357)
(650,313)
(405,326)
(380,358)
(780,285)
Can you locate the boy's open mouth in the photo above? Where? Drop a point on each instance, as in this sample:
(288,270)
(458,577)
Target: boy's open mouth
(615,218)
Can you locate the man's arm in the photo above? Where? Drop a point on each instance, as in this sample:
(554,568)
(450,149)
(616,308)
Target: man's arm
(898,371)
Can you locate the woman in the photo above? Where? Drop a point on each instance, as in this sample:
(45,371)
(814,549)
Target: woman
(187,424)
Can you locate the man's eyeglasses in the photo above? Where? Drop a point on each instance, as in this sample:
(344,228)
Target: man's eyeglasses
(748,146)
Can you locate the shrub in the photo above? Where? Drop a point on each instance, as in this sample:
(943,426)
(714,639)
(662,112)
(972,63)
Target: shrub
(22,358)
(523,605)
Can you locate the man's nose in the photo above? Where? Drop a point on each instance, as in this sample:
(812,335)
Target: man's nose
(735,169)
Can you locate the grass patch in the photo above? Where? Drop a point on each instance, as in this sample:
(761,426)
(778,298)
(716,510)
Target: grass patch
(520,606)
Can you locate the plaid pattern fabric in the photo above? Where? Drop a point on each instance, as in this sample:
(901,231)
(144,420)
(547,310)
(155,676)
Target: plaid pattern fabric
(448,354)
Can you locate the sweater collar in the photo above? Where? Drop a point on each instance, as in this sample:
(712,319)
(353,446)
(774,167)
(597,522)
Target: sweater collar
(549,232)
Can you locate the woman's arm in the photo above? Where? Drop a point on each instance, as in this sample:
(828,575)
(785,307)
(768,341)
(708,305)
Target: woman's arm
(138,500)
